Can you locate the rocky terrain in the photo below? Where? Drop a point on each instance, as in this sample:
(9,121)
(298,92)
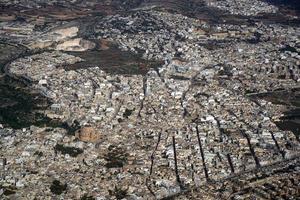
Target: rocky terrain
(148,99)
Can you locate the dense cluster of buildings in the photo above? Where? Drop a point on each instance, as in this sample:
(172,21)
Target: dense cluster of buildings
(243,7)
(187,129)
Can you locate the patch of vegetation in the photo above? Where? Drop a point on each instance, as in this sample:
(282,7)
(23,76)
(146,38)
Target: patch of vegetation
(127,113)
(57,187)
(71,128)
(182,78)
(21,107)
(288,48)
(114,61)
(169,198)
(9,190)
(249,92)
(226,71)
(119,193)
(116,157)
(38,153)
(72,151)
(87,197)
